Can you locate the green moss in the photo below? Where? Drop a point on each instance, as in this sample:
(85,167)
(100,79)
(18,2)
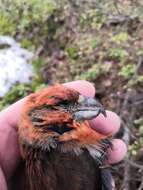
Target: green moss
(118,53)
(95,71)
(137,144)
(17,92)
(95,42)
(25,43)
(91,73)
(37,80)
(92,18)
(120,37)
(72,51)
(39,86)
(7,26)
(127,71)
(22,15)
(140,78)
(34,11)
(140,52)
(37,64)
(97,18)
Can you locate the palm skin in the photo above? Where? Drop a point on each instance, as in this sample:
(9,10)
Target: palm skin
(59,148)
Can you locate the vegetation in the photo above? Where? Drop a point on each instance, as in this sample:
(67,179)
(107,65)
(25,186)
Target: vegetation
(99,41)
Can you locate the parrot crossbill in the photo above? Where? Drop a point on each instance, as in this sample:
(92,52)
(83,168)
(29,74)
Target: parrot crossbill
(59,148)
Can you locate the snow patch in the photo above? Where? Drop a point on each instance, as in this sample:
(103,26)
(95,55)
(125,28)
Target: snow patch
(14,64)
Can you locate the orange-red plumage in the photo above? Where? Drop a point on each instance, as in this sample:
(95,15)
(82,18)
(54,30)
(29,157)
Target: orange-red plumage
(54,130)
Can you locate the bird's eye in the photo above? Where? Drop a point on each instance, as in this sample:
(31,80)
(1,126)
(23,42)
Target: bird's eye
(64,102)
(60,101)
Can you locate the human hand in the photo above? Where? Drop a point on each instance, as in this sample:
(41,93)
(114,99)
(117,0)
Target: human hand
(9,147)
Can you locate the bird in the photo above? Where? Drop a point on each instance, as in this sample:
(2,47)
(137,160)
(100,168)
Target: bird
(59,148)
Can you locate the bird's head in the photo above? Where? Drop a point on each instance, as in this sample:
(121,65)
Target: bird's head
(59,114)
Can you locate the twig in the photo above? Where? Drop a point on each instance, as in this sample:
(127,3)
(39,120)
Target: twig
(135,165)
(137,102)
(115,2)
(141,185)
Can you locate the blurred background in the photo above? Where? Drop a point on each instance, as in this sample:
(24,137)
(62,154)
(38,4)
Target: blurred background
(49,41)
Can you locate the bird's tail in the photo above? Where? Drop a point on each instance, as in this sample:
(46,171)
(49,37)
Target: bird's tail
(106,178)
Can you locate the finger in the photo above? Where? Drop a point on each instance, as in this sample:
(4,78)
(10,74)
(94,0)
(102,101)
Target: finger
(9,149)
(117,152)
(106,125)
(83,87)
(10,116)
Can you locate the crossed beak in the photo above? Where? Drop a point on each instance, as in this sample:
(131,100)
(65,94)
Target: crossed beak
(87,109)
